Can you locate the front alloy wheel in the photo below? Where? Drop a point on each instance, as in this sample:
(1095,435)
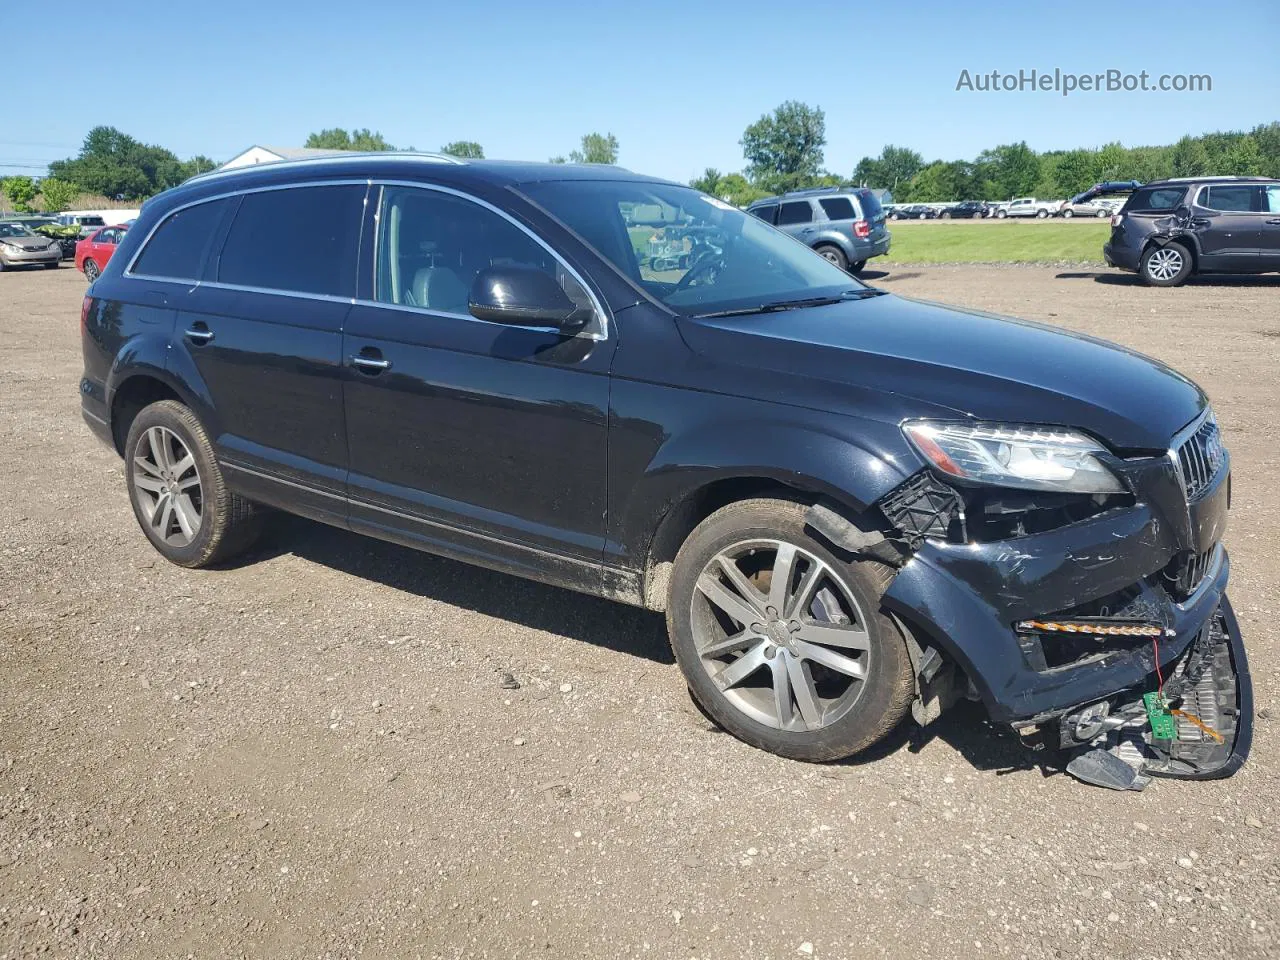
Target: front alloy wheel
(782,642)
(779,635)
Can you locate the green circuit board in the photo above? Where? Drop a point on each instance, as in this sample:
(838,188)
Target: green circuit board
(1162,724)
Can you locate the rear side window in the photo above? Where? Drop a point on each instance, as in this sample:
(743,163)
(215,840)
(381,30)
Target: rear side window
(871,207)
(795,212)
(177,248)
(299,240)
(1156,198)
(1229,197)
(768,213)
(838,208)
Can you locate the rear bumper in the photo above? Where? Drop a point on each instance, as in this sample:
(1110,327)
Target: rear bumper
(866,249)
(1120,256)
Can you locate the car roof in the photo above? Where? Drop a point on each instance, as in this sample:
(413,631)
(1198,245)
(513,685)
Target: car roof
(811,193)
(1183,181)
(465,175)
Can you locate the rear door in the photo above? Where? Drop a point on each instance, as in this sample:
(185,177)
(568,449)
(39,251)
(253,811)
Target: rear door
(796,218)
(1270,240)
(480,440)
(1231,237)
(263,330)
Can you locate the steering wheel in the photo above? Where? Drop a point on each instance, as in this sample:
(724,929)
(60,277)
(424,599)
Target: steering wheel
(708,264)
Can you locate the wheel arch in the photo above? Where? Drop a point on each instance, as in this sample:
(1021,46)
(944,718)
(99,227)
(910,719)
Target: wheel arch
(135,389)
(848,477)
(1187,240)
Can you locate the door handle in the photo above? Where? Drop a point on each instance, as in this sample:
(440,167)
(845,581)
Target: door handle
(370,365)
(199,334)
(1274,222)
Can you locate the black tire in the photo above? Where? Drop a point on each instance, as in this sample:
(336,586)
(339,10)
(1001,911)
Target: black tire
(229,523)
(1001,214)
(857,266)
(889,685)
(833,253)
(1155,261)
(1068,213)
(946,215)
(1042,214)
(91,271)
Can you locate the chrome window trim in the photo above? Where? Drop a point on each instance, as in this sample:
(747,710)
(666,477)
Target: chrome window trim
(369,183)
(1180,438)
(1203,192)
(192,281)
(601,315)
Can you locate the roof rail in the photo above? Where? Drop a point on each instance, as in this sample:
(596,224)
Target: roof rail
(348,157)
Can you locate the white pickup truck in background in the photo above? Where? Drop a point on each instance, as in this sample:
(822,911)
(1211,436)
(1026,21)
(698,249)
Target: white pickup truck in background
(1029,207)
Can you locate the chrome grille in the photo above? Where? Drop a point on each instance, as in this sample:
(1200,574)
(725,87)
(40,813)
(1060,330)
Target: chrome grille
(1200,457)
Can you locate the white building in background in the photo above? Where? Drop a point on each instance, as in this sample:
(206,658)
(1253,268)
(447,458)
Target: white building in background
(257,154)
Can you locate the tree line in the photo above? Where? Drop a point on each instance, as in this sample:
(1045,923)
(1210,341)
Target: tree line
(784,151)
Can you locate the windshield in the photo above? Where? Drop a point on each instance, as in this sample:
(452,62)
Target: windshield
(692,252)
(14,230)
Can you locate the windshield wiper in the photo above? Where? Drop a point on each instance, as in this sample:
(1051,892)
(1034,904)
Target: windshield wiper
(774,306)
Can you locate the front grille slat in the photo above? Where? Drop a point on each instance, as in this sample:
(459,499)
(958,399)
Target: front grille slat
(1200,458)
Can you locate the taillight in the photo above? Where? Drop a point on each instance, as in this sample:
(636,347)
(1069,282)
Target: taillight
(85,304)
(861,229)
(1116,218)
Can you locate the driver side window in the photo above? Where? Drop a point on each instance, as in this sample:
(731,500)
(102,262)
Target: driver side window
(431,245)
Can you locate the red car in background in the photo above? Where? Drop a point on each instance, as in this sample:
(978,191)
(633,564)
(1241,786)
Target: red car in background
(93,252)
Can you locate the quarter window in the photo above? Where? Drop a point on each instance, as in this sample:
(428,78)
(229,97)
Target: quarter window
(297,240)
(795,212)
(838,208)
(431,246)
(1156,198)
(1273,199)
(1229,197)
(177,249)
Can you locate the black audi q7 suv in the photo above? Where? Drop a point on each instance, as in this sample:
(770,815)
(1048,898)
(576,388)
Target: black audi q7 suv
(849,505)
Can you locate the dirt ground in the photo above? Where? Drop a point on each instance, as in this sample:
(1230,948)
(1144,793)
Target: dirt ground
(318,753)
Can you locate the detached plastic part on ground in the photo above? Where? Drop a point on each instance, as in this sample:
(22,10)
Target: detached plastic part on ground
(1198,727)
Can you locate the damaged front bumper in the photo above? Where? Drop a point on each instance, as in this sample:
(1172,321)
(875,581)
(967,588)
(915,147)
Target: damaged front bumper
(1074,624)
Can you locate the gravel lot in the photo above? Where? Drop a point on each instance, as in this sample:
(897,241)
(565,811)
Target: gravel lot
(322,752)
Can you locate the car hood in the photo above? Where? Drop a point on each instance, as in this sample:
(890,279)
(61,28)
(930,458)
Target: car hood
(977,364)
(26,243)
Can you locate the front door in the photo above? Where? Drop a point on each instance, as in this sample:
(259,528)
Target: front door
(475,439)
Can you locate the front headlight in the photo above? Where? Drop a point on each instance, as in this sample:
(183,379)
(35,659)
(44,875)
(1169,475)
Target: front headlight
(1014,455)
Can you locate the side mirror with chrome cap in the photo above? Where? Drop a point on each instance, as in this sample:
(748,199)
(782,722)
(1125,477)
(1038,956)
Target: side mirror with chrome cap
(524,296)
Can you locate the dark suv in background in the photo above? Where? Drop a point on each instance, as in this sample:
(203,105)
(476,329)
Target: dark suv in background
(850,506)
(845,225)
(1171,230)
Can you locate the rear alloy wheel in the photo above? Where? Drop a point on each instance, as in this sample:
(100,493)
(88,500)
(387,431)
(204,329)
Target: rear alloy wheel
(1068,213)
(1166,266)
(783,643)
(1041,214)
(91,271)
(179,496)
(833,254)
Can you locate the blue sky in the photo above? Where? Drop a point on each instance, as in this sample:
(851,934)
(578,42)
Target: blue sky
(676,82)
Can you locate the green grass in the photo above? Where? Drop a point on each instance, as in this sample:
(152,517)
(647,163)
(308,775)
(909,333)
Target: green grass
(996,242)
